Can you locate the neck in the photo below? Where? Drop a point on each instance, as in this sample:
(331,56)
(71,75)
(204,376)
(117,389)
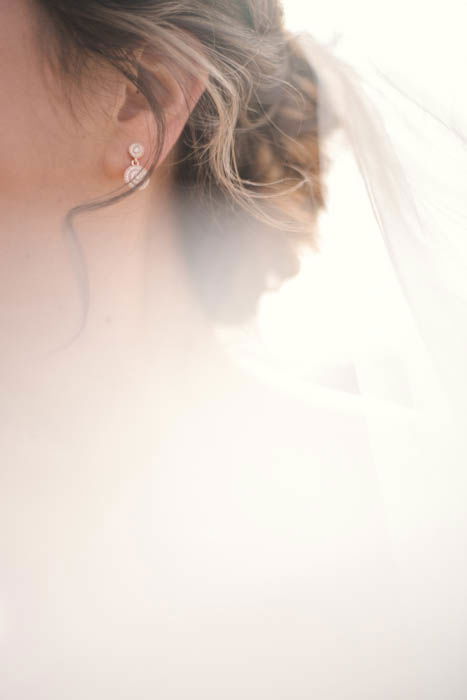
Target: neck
(141,307)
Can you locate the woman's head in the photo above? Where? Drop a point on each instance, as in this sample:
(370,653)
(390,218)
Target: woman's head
(216,90)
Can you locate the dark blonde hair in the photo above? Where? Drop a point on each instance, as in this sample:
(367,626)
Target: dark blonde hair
(248,159)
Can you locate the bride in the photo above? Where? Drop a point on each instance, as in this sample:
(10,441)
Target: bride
(173,525)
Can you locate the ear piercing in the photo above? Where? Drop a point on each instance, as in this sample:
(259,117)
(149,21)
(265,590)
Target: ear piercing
(135,172)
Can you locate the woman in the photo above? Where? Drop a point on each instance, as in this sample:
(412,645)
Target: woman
(172,527)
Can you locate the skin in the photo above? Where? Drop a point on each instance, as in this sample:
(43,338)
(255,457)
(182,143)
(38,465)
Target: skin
(78,416)
(54,157)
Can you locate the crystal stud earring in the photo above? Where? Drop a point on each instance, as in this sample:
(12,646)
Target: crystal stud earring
(135,172)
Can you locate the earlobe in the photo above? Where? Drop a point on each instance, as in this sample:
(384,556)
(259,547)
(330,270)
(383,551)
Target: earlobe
(132,122)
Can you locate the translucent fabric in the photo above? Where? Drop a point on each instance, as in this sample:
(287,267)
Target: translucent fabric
(290,531)
(384,335)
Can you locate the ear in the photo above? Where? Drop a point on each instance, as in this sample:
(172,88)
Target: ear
(176,93)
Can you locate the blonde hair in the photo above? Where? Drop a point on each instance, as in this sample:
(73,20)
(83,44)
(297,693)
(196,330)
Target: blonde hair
(250,148)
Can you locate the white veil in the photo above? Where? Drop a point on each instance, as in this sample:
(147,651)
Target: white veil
(413,162)
(396,279)
(415,179)
(321,553)
(399,268)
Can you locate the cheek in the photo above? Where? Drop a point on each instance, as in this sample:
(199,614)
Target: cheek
(25,114)
(40,140)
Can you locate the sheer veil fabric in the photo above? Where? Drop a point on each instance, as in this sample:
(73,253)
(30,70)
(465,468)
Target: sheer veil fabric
(293,539)
(408,143)
(395,240)
(413,165)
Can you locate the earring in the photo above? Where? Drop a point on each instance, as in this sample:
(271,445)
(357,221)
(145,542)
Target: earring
(135,172)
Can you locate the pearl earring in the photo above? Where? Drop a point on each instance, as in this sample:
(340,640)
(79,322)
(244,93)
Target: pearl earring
(135,172)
